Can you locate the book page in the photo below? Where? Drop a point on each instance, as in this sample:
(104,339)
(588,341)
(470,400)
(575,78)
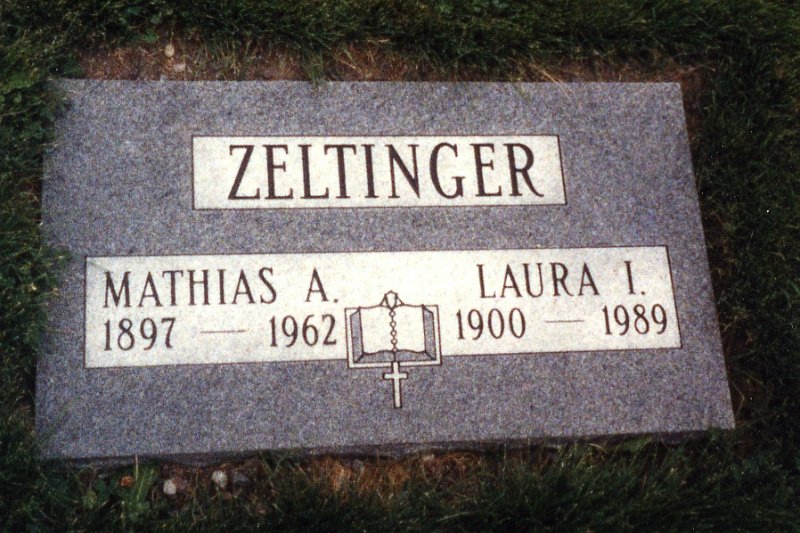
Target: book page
(410,328)
(375,330)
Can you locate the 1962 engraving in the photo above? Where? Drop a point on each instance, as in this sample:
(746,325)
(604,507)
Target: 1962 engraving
(385,171)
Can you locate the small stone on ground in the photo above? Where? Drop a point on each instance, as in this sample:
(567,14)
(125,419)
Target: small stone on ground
(170,488)
(220,478)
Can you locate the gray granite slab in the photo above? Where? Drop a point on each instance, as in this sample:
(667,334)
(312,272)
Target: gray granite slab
(118,182)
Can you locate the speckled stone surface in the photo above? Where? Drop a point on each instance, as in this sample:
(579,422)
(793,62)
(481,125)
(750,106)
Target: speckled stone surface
(118,182)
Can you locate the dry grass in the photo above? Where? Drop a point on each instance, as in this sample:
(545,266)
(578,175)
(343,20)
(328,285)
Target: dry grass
(174,57)
(181,58)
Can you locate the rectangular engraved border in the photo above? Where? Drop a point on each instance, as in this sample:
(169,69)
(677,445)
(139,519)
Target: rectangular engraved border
(335,136)
(344,360)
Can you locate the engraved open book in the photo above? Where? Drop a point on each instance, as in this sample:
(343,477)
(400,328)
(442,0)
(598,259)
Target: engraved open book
(393,331)
(392,334)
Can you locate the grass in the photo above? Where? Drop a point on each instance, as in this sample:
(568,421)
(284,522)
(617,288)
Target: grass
(746,151)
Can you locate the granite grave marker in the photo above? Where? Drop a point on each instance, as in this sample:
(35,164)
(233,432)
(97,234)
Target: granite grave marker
(362,267)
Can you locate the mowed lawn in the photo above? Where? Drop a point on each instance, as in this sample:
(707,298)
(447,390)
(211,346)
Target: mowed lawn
(739,63)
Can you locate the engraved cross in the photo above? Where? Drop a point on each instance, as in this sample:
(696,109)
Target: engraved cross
(395,375)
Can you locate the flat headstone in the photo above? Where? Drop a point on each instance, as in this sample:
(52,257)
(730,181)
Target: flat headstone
(372,267)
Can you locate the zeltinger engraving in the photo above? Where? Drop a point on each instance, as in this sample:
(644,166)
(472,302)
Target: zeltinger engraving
(393,335)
